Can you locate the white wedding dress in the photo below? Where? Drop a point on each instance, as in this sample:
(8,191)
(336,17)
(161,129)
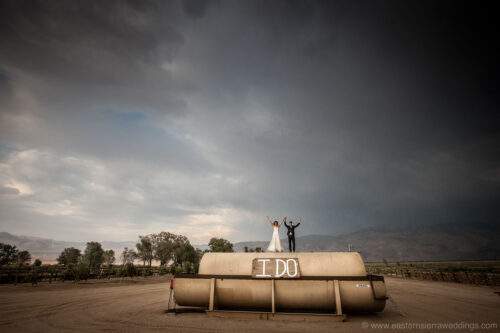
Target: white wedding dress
(275,245)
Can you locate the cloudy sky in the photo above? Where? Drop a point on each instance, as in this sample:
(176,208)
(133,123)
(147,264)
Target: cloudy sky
(120,118)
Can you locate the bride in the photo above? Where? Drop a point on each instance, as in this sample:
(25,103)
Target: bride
(275,245)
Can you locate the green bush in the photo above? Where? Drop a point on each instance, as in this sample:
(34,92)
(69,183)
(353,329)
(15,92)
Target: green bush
(162,270)
(129,270)
(68,273)
(188,267)
(175,269)
(33,275)
(82,272)
(146,272)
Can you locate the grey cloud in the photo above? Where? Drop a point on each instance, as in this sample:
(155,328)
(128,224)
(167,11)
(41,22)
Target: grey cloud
(348,114)
(9,190)
(196,9)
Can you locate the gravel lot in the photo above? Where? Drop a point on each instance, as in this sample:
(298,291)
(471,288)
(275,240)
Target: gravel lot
(139,305)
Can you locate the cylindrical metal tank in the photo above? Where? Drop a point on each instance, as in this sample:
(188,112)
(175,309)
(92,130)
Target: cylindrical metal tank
(314,290)
(311,263)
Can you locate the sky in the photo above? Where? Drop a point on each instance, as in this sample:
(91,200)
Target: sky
(124,118)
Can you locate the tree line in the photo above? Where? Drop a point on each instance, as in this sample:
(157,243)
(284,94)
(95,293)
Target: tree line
(174,253)
(10,255)
(169,249)
(164,247)
(176,250)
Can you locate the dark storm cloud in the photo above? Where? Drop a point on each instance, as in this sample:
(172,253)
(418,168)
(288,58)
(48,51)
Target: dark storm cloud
(348,114)
(395,92)
(83,59)
(195,9)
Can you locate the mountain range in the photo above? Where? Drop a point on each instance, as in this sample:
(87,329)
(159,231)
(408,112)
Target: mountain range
(452,241)
(48,249)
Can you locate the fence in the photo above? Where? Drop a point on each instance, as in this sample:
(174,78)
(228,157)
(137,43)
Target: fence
(35,274)
(49,273)
(478,278)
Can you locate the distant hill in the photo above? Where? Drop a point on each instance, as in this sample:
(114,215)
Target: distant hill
(48,249)
(393,243)
(404,243)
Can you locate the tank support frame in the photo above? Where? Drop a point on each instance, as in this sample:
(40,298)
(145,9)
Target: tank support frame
(273,315)
(212,311)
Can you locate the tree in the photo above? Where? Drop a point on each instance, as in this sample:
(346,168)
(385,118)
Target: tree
(68,256)
(129,270)
(247,249)
(93,255)
(8,254)
(37,263)
(128,256)
(163,252)
(188,254)
(23,257)
(182,248)
(145,250)
(109,257)
(163,246)
(220,245)
(168,247)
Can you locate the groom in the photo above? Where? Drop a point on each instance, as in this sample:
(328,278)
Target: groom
(291,234)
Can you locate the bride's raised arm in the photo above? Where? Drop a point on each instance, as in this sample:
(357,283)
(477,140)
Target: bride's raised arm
(269,220)
(284,219)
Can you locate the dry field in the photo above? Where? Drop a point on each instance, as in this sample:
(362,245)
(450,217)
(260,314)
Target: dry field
(139,305)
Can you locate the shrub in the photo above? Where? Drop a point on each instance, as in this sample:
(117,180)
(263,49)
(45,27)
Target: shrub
(162,270)
(119,272)
(174,269)
(129,270)
(33,275)
(82,272)
(188,267)
(69,272)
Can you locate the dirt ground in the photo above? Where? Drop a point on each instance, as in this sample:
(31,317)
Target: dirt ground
(139,305)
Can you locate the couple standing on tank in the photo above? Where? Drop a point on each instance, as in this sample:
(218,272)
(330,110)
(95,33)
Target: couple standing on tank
(275,245)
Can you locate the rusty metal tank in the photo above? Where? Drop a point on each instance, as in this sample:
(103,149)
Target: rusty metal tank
(306,281)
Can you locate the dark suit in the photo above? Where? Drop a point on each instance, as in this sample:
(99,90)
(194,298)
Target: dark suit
(291,236)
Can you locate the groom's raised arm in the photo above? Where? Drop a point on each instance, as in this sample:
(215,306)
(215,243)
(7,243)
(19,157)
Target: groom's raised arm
(295,226)
(284,219)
